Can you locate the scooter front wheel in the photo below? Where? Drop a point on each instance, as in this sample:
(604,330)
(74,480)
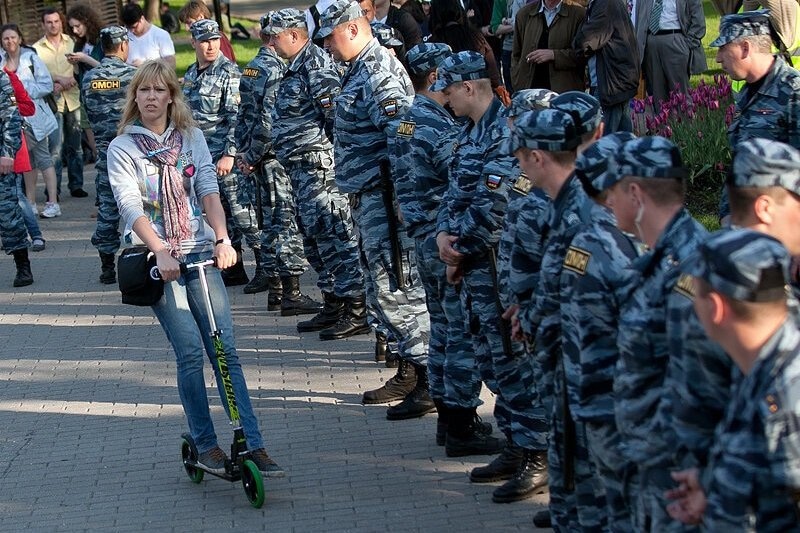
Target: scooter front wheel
(189,456)
(252,483)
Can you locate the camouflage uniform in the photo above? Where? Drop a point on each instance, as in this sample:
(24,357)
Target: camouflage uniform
(103,90)
(213,97)
(421,152)
(474,206)
(281,246)
(375,89)
(593,268)
(303,118)
(12,226)
(753,475)
(576,496)
(644,346)
(774,111)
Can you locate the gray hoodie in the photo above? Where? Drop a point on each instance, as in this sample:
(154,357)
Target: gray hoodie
(135,181)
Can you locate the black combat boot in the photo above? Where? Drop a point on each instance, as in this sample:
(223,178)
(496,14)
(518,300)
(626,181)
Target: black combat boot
(392,359)
(108,271)
(24,276)
(352,322)
(381,347)
(260,281)
(333,308)
(418,402)
(542,519)
(466,435)
(294,302)
(275,294)
(235,275)
(529,479)
(502,467)
(396,388)
(484,428)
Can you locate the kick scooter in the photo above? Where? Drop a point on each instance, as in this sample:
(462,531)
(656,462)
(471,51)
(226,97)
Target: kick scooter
(240,466)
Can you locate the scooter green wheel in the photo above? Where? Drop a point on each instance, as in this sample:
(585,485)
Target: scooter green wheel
(253,483)
(188,453)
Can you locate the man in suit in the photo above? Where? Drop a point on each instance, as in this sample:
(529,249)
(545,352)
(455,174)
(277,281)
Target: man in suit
(669,34)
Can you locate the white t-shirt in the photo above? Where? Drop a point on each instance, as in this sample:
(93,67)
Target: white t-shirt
(154,44)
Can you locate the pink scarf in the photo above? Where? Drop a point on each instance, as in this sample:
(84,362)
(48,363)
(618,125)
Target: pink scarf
(174,207)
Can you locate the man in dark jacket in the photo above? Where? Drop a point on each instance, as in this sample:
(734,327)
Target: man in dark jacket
(607,41)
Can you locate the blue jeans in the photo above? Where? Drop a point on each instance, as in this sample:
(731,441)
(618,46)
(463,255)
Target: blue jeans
(27,211)
(617,118)
(182,314)
(69,137)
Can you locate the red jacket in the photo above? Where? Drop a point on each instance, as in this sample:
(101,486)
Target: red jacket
(27,108)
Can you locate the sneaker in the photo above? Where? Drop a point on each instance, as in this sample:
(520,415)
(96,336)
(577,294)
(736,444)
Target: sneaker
(213,460)
(38,244)
(266,465)
(51,210)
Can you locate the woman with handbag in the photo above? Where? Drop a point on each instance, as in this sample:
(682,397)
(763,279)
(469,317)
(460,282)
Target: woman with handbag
(163,179)
(43,146)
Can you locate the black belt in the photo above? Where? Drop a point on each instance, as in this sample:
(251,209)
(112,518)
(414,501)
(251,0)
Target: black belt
(665,32)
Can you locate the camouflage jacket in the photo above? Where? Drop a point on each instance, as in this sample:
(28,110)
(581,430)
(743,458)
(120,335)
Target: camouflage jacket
(423,144)
(10,119)
(755,461)
(304,113)
(104,89)
(644,347)
(375,90)
(213,96)
(257,88)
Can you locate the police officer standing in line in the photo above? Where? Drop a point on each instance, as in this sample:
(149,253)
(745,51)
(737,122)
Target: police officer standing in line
(768,105)
(651,174)
(104,89)
(375,90)
(13,232)
(468,231)
(420,157)
(752,481)
(303,121)
(211,89)
(281,255)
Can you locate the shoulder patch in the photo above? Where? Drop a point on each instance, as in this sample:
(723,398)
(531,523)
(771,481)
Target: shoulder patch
(685,286)
(522,185)
(406,128)
(389,107)
(493,181)
(577,260)
(325,101)
(251,72)
(105,85)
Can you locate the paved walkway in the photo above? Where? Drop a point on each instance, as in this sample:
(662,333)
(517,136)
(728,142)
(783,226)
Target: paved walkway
(90,420)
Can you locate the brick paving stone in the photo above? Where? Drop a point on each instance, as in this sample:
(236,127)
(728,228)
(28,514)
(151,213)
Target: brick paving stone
(90,419)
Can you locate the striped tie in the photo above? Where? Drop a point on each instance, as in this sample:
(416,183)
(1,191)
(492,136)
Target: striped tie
(655,16)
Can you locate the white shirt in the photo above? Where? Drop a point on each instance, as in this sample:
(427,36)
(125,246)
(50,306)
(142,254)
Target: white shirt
(669,16)
(322,5)
(154,44)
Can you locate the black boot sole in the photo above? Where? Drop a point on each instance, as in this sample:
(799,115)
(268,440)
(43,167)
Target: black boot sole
(520,497)
(298,312)
(492,479)
(255,290)
(23,282)
(307,328)
(108,280)
(377,401)
(361,330)
(408,415)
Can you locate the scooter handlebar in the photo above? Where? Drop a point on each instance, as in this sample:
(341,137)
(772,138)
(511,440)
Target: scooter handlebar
(185,267)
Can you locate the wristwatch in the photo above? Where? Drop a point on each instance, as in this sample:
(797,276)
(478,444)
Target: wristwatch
(226,240)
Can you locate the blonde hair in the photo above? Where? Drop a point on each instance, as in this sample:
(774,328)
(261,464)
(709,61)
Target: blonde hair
(157,70)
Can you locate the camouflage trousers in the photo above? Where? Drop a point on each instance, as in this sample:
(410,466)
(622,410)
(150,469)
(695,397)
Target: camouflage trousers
(12,226)
(281,243)
(604,449)
(504,366)
(399,304)
(106,236)
(453,375)
(577,499)
(239,213)
(323,215)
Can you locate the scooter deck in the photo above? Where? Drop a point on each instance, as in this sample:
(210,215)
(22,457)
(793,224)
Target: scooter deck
(234,474)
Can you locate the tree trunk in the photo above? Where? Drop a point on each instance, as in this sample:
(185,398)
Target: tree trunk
(151,10)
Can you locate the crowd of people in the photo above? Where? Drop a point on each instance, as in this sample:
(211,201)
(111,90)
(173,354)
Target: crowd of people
(464,183)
